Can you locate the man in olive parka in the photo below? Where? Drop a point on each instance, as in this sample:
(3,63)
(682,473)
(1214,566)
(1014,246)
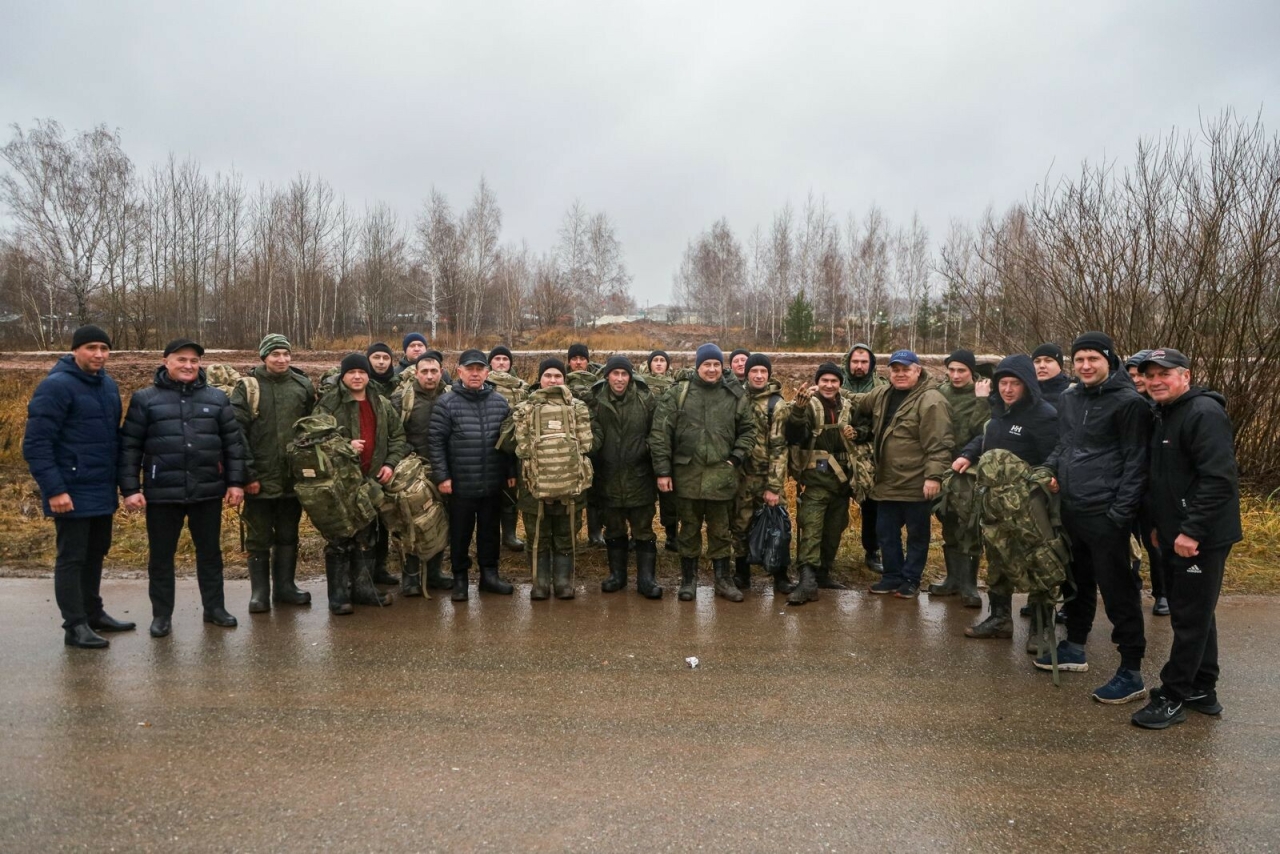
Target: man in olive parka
(266,404)
(969,416)
(625,487)
(702,433)
(911,423)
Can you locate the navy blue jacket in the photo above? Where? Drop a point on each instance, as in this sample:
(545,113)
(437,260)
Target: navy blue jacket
(184,439)
(70,441)
(1029,428)
(462,440)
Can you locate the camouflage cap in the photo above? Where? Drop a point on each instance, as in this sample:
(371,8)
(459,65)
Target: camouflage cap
(271,342)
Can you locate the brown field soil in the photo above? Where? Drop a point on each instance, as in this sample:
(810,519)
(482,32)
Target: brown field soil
(26,538)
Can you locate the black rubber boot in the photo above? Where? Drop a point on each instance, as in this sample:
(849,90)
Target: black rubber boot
(509,538)
(362,590)
(220,617)
(646,569)
(83,637)
(259,582)
(337,572)
(673,543)
(688,579)
(741,573)
(436,580)
(999,623)
(617,579)
(724,580)
(541,588)
(284,573)
(823,576)
(807,589)
(459,593)
(562,576)
(595,528)
(969,596)
(781,580)
(950,585)
(411,576)
(873,562)
(490,582)
(378,570)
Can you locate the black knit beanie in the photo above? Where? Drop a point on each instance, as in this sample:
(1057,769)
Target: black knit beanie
(757,360)
(827,368)
(964,357)
(663,353)
(90,335)
(550,362)
(579,349)
(1053,351)
(355,362)
(1099,341)
(500,350)
(617,360)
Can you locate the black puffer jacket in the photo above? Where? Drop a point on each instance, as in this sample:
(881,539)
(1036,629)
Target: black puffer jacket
(1195,487)
(184,439)
(1101,457)
(1029,428)
(462,441)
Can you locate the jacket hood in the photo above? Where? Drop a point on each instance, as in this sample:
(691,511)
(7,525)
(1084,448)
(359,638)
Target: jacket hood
(66,364)
(844,368)
(1194,392)
(162,379)
(1020,367)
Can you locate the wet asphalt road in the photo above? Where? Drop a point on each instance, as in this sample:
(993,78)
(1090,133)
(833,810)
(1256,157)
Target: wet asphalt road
(855,723)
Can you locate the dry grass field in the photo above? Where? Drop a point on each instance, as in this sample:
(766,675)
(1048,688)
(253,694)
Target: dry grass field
(26,538)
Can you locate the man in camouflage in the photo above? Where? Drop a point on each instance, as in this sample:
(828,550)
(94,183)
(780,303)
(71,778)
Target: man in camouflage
(860,377)
(413,401)
(818,427)
(702,434)
(659,376)
(622,418)
(969,415)
(413,345)
(266,404)
(583,374)
(764,472)
(515,390)
(737,372)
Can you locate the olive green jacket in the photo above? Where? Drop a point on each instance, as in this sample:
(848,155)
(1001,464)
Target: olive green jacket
(389,448)
(417,423)
(282,400)
(914,446)
(969,413)
(623,466)
(703,440)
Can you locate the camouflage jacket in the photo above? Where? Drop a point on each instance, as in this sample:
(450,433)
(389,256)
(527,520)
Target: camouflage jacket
(702,434)
(768,457)
(819,453)
(510,386)
(969,413)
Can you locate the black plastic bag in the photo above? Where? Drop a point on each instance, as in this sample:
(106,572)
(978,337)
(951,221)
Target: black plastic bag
(769,538)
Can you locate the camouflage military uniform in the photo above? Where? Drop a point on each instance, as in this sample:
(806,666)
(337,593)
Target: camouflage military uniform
(667,515)
(969,415)
(765,468)
(515,390)
(822,466)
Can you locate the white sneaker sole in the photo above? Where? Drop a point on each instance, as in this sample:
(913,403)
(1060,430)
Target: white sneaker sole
(1137,695)
(1067,668)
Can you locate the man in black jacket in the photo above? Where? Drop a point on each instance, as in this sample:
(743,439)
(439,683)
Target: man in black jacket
(1022,423)
(414,402)
(181,452)
(467,466)
(1047,359)
(1194,501)
(1100,466)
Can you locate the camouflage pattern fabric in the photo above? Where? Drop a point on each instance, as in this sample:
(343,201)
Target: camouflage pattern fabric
(338,498)
(413,511)
(958,512)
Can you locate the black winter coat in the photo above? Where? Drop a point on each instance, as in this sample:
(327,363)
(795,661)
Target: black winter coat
(1195,487)
(1029,428)
(1051,390)
(462,441)
(184,439)
(1101,457)
(70,444)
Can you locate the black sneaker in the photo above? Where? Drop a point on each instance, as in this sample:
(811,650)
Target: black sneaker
(886,585)
(1204,702)
(1160,713)
(907,590)
(1161,608)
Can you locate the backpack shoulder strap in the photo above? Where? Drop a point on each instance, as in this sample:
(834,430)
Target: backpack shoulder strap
(681,395)
(252,393)
(774,399)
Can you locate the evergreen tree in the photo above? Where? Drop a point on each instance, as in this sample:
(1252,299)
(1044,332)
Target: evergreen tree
(798,326)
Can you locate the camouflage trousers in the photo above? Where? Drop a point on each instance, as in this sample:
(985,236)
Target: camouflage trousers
(957,536)
(822,514)
(749,499)
(693,513)
(555,534)
(270,522)
(618,519)
(1000,581)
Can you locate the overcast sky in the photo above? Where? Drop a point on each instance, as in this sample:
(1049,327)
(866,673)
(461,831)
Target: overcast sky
(665,115)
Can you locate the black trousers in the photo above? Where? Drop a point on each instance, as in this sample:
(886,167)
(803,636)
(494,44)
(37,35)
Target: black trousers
(870,542)
(1192,585)
(1155,562)
(1100,562)
(77,570)
(164,524)
(478,517)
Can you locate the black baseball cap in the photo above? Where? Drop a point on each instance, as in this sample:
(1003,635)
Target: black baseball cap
(181,344)
(473,357)
(1165,357)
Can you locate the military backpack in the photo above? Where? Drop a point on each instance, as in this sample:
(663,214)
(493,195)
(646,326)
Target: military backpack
(413,511)
(554,464)
(338,498)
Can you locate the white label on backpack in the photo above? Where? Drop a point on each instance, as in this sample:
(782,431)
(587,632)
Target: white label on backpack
(555,425)
(308,472)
